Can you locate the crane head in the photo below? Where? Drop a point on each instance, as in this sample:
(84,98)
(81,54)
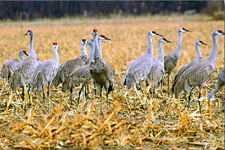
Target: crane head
(102,37)
(24,52)
(164,40)
(201,43)
(95,32)
(83,42)
(29,32)
(184,30)
(153,33)
(55,45)
(220,32)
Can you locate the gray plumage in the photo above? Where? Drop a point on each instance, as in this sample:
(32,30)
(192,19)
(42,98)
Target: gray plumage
(171,60)
(68,67)
(157,70)
(220,83)
(10,66)
(45,72)
(200,72)
(80,76)
(139,68)
(185,67)
(26,69)
(102,73)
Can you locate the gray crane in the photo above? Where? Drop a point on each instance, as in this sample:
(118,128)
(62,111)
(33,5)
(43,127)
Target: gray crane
(102,73)
(139,68)
(185,67)
(69,66)
(198,74)
(45,72)
(157,70)
(25,71)
(171,60)
(80,76)
(11,65)
(220,83)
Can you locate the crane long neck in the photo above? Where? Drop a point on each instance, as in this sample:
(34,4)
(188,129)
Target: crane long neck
(56,55)
(96,43)
(92,53)
(150,46)
(212,56)
(84,51)
(21,56)
(161,53)
(179,44)
(32,51)
(198,51)
(99,54)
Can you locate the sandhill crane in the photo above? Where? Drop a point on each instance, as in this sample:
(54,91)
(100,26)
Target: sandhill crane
(200,72)
(11,65)
(26,69)
(185,67)
(80,76)
(220,83)
(157,70)
(142,65)
(68,67)
(102,73)
(171,60)
(46,72)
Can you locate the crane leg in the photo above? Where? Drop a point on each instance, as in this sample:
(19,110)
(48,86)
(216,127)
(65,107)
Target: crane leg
(86,92)
(168,85)
(71,96)
(189,99)
(161,84)
(28,89)
(199,96)
(95,90)
(101,91)
(43,94)
(23,93)
(48,92)
(153,91)
(78,100)
(150,91)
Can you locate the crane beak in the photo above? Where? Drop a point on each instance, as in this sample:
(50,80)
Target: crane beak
(187,30)
(168,41)
(25,34)
(159,34)
(204,43)
(107,39)
(26,54)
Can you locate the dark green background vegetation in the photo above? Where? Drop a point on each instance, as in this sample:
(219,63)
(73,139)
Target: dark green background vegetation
(23,10)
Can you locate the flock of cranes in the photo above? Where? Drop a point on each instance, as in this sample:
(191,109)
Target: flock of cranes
(32,72)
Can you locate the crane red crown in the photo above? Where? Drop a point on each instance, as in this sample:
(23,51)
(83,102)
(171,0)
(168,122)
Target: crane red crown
(24,51)
(95,30)
(184,29)
(102,36)
(220,31)
(154,32)
(200,41)
(54,43)
(28,30)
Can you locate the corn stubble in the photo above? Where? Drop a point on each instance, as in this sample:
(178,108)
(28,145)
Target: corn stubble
(132,119)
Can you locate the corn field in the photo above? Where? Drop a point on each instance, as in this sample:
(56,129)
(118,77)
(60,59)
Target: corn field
(133,120)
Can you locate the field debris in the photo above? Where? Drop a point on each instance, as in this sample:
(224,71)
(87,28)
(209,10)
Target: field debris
(131,118)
